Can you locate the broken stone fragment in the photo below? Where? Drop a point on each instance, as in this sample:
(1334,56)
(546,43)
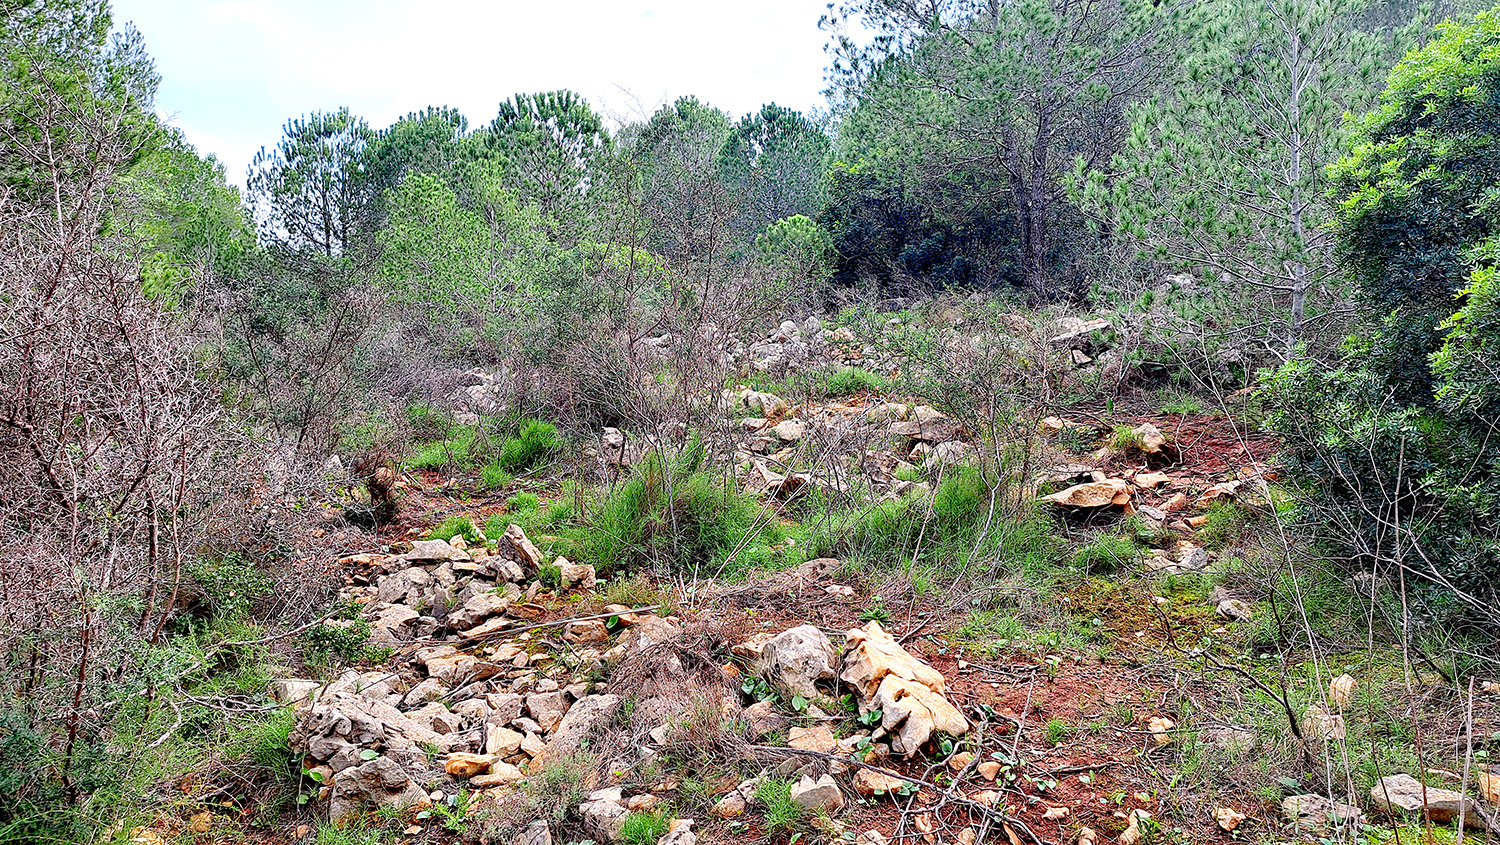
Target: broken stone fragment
(869,783)
(818,738)
(1316,810)
(465,765)
(909,693)
(821,795)
(796,659)
(1094,494)
(372,785)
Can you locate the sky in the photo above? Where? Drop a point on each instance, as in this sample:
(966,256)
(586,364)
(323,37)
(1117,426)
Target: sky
(234,71)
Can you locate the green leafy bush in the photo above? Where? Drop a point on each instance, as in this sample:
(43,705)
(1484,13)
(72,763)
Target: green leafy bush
(1105,554)
(1401,435)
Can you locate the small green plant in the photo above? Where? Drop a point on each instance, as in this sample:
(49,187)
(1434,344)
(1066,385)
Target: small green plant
(455,526)
(447,453)
(1226,522)
(876,612)
(492,476)
(783,815)
(1126,439)
(643,828)
(1057,731)
(453,811)
(1105,554)
(523,503)
(549,575)
(1181,404)
(909,472)
(534,442)
(348,640)
(852,380)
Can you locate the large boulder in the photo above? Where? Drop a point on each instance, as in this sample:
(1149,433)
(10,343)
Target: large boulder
(909,694)
(371,786)
(796,659)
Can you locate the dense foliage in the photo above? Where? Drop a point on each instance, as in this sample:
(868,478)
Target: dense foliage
(1403,434)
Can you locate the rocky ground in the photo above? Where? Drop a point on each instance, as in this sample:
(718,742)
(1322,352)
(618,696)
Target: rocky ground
(525,701)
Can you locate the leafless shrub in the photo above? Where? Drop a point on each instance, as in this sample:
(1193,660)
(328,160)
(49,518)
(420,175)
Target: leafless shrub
(120,463)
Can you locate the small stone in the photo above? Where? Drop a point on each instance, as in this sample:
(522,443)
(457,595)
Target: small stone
(989,770)
(868,783)
(1055,813)
(1341,691)
(502,741)
(730,806)
(1161,730)
(500,774)
(1405,793)
(1317,810)
(587,631)
(642,803)
(818,738)
(464,765)
(764,719)
(960,761)
(1133,833)
(1233,609)
(822,794)
(1320,724)
(1228,818)
(201,822)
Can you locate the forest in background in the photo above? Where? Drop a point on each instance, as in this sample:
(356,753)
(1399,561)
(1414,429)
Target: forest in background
(1292,195)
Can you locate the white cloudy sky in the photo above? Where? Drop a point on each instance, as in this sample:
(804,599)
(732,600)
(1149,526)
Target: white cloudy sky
(233,71)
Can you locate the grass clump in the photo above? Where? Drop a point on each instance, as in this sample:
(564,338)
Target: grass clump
(1181,404)
(643,828)
(852,380)
(783,815)
(952,528)
(456,526)
(1126,439)
(533,442)
(448,453)
(672,515)
(1106,553)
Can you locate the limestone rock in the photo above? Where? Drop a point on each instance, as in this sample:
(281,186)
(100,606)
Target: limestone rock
(604,815)
(581,721)
(483,606)
(818,738)
(868,782)
(294,691)
(1093,494)
(465,765)
(1318,723)
(500,774)
(822,794)
(502,741)
(731,806)
(571,575)
(433,551)
(536,833)
(794,660)
(909,693)
(1317,810)
(1161,730)
(790,431)
(1228,818)
(1341,691)
(374,784)
(587,631)
(1152,440)
(1234,609)
(764,719)
(1404,793)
